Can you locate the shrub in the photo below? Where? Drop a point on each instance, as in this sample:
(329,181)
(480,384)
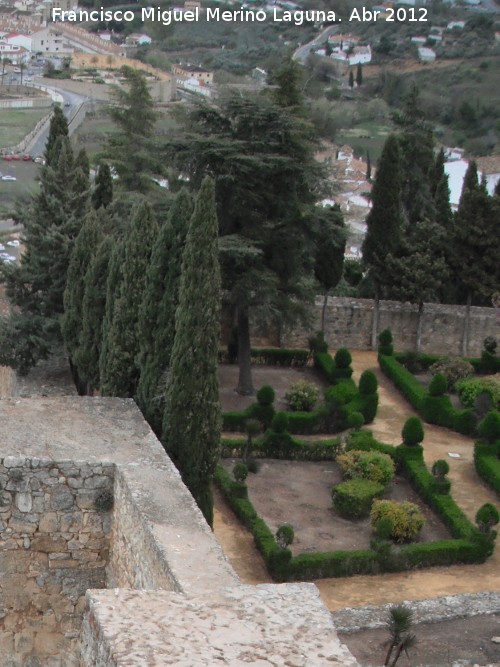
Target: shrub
(438,385)
(374,466)
(385,343)
(486,517)
(265,395)
(367,383)
(489,428)
(409,386)
(280,422)
(440,468)
(285,535)
(413,432)
(240,472)
(342,358)
(317,343)
(302,396)
(412,362)
(343,392)
(353,499)
(470,388)
(453,368)
(261,413)
(385,337)
(490,345)
(406,518)
(355,420)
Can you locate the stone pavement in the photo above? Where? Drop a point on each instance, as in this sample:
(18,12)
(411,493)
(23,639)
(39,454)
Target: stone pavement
(467,489)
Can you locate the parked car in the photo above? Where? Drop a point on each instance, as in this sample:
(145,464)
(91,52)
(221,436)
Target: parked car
(14,243)
(5,257)
(16,157)
(2,247)
(26,158)
(8,177)
(7,157)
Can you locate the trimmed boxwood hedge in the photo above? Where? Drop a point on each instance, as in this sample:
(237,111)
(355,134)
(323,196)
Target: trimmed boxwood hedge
(273,356)
(468,546)
(487,462)
(343,399)
(433,409)
(283,446)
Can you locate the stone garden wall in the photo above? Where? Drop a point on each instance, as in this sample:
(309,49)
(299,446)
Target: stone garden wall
(349,324)
(54,541)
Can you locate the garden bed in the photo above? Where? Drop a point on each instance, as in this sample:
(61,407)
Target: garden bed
(301,497)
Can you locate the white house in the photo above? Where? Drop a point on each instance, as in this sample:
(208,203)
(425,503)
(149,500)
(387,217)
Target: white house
(16,39)
(16,54)
(137,39)
(426,55)
(419,39)
(458,25)
(360,55)
(50,41)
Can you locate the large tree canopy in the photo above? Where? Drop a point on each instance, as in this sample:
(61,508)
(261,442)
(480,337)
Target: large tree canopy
(266,182)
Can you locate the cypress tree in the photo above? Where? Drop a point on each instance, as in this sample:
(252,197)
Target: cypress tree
(475,246)
(58,128)
(192,421)
(36,285)
(384,223)
(93,308)
(359,75)
(120,371)
(85,247)
(157,313)
(82,162)
(103,187)
(330,248)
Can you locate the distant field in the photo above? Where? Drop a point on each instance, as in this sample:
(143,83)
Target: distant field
(10,191)
(365,137)
(15,124)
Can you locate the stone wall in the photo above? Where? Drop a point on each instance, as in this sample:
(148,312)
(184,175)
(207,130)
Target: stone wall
(349,323)
(176,599)
(54,544)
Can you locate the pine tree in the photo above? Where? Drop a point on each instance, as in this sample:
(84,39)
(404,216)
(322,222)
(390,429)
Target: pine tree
(85,247)
(130,148)
(103,187)
(359,75)
(82,162)
(93,308)
(384,223)
(192,421)
(157,313)
(267,182)
(120,371)
(351,79)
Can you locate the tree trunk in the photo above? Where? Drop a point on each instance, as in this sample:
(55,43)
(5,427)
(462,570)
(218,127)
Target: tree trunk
(399,650)
(419,325)
(465,337)
(376,310)
(245,386)
(323,312)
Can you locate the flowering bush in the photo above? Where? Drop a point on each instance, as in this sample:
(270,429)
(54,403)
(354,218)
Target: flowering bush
(374,466)
(302,396)
(453,368)
(406,519)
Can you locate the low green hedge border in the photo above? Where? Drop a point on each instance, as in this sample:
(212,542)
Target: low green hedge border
(433,409)
(487,462)
(320,420)
(468,546)
(283,446)
(273,356)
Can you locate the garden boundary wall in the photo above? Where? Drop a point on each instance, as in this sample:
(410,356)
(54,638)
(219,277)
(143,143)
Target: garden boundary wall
(166,593)
(348,323)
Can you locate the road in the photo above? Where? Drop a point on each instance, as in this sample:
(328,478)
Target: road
(71,102)
(303,51)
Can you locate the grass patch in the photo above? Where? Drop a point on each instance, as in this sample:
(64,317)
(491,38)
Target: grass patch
(15,124)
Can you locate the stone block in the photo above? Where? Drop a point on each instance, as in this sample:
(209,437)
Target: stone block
(48,544)
(71,522)
(61,498)
(5,502)
(24,502)
(85,499)
(23,642)
(14,462)
(19,526)
(49,523)
(96,482)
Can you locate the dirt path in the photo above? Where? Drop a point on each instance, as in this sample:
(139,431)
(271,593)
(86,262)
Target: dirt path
(467,489)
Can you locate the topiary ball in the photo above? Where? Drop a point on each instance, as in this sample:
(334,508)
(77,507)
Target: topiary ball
(343,358)
(385,337)
(265,395)
(489,428)
(487,516)
(368,383)
(440,468)
(438,385)
(413,432)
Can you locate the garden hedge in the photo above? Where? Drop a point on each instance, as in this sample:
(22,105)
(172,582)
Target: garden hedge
(273,356)
(343,399)
(487,462)
(468,546)
(433,409)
